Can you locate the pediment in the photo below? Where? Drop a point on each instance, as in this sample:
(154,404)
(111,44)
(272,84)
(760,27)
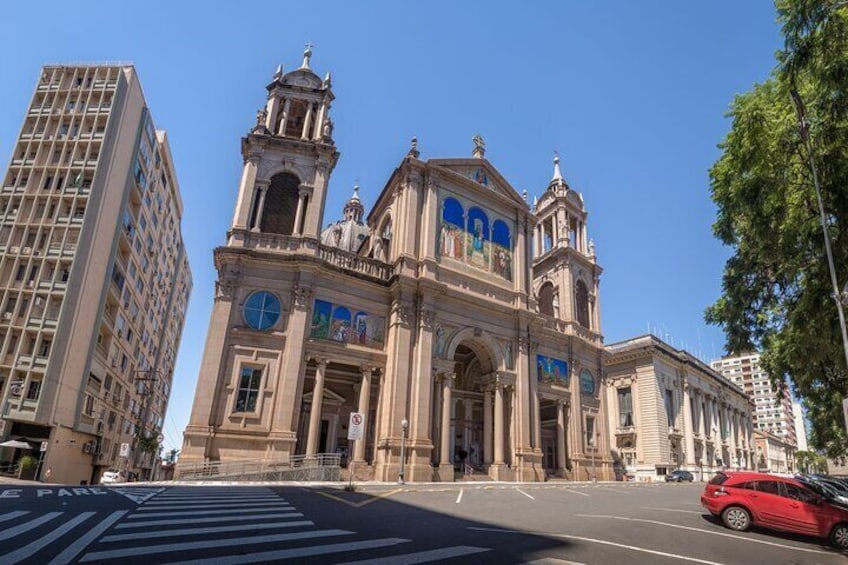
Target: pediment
(481,173)
(329,397)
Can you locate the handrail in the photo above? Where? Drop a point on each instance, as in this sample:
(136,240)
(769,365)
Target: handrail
(220,469)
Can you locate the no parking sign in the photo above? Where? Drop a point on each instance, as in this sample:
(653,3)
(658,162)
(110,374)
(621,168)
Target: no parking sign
(355,426)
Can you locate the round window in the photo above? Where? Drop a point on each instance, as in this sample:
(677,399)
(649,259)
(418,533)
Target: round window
(587,382)
(262,310)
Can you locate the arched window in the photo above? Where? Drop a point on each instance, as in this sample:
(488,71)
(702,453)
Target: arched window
(280,204)
(546,299)
(581,299)
(452,212)
(296,117)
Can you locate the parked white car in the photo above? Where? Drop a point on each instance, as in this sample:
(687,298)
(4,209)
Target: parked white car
(112,477)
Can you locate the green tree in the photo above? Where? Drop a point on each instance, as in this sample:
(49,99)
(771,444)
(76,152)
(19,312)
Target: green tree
(777,293)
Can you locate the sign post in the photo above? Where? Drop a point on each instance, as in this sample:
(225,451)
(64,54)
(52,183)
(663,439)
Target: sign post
(355,432)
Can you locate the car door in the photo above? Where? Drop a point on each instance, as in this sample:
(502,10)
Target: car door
(802,511)
(765,503)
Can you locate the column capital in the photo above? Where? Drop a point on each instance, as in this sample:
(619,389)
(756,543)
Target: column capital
(428,318)
(321,360)
(367,368)
(301,297)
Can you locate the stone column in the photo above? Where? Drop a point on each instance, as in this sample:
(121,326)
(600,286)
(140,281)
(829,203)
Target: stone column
(284,121)
(364,401)
(315,413)
(319,122)
(298,216)
(447,404)
(307,123)
(246,186)
(467,411)
(689,433)
(560,445)
(499,424)
(272,107)
(257,221)
(487,426)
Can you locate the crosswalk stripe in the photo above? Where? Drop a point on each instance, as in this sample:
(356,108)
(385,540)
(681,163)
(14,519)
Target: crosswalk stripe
(422,556)
(211,505)
(295,553)
(194,520)
(160,499)
(207,530)
(157,502)
(26,526)
(80,544)
(29,549)
(208,544)
(277,508)
(13,515)
(551,561)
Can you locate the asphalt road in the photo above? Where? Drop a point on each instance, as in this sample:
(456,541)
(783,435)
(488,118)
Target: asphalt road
(491,523)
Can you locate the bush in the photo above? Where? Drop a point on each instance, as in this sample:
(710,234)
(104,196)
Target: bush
(27,462)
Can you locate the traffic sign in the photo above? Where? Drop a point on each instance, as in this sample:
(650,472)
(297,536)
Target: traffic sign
(355,427)
(125,450)
(44,445)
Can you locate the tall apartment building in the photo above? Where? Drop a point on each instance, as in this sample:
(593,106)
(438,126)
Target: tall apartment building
(772,407)
(94,279)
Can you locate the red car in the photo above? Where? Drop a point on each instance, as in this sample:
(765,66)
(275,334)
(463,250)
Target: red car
(779,503)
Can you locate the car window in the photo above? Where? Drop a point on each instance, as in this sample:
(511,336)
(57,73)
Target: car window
(718,479)
(771,487)
(749,485)
(798,493)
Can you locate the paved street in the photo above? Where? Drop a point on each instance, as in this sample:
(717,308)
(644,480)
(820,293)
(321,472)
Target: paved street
(493,523)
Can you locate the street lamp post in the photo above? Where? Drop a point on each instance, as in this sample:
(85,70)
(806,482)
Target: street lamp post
(404,426)
(594,450)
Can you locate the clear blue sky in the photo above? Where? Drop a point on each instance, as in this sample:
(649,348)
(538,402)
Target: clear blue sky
(632,94)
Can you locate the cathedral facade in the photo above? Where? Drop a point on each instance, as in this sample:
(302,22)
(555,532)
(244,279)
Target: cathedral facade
(462,323)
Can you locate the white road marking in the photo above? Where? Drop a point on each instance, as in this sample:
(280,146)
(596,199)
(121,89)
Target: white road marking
(194,520)
(458,498)
(13,515)
(212,505)
(609,489)
(169,500)
(281,507)
(283,554)
(524,493)
(31,548)
(207,530)
(78,546)
(205,544)
(690,528)
(575,492)
(674,510)
(602,542)
(551,561)
(26,526)
(210,501)
(422,556)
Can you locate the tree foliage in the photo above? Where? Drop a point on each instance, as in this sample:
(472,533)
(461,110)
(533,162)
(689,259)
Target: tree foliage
(777,292)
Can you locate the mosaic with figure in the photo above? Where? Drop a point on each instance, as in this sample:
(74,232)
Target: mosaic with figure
(472,238)
(550,369)
(339,323)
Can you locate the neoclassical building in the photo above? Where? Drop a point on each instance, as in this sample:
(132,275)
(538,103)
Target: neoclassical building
(669,410)
(453,307)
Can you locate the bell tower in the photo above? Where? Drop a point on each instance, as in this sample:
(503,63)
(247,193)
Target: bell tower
(565,272)
(288,157)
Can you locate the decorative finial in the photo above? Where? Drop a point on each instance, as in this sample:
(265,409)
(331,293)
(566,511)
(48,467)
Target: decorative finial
(413,148)
(307,53)
(328,80)
(355,190)
(479,147)
(524,194)
(279,72)
(535,201)
(261,116)
(557,172)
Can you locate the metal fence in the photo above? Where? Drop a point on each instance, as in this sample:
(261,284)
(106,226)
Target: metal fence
(319,467)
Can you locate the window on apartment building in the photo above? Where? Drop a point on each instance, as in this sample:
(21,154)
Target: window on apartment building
(590,431)
(34,390)
(88,405)
(44,351)
(19,276)
(625,407)
(248,391)
(669,406)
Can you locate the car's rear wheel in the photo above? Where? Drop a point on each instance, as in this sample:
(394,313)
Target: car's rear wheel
(736,518)
(839,536)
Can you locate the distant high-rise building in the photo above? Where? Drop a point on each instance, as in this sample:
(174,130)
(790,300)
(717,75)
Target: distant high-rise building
(94,279)
(772,407)
(800,427)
